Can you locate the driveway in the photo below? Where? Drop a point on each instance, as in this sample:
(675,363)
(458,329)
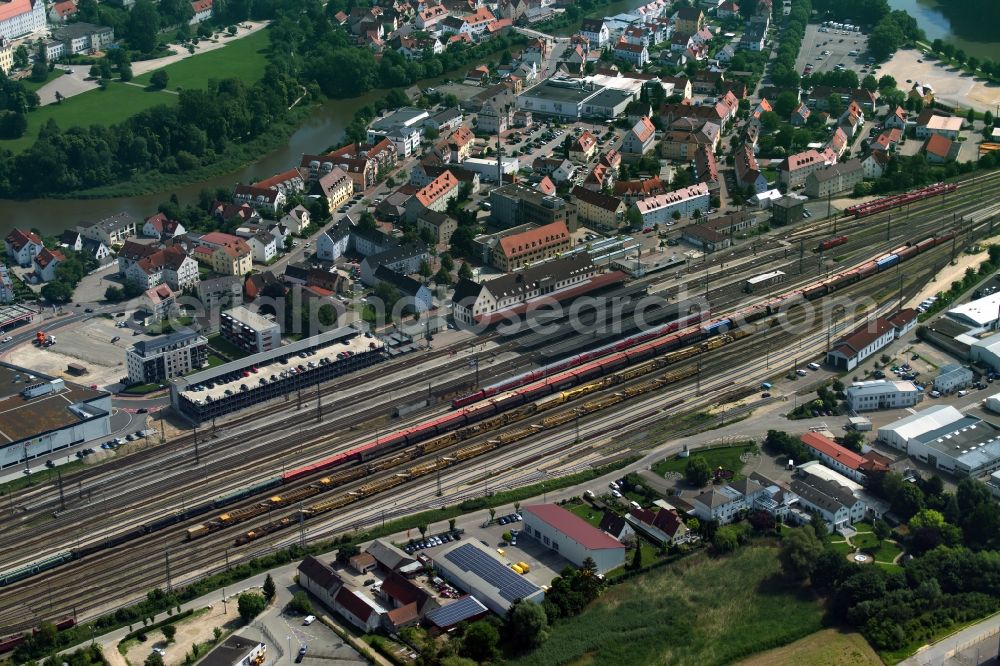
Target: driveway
(72,83)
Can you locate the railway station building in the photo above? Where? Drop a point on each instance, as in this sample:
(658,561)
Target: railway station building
(42,415)
(848,352)
(272,374)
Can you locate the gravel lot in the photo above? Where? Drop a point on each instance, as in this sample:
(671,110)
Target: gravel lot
(950,86)
(839,45)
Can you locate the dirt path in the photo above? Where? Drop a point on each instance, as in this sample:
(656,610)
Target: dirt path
(942,281)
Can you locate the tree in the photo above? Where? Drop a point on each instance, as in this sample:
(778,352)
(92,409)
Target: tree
(269,588)
(39,71)
(854,440)
(21,57)
(770,121)
(800,548)
(869,83)
(785,104)
(169,631)
(886,83)
(425,269)
(480,642)
(526,625)
(988,119)
(637,557)
(697,471)
(447,262)
(250,605)
(143,26)
(346,552)
(159,79)
(300,603)
(882,530)
(367,222)
(125,73)
(971,115)
(154,659)
(465,271)
(442,277)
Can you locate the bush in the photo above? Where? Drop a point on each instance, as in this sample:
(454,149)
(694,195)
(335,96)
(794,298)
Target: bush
(301,604)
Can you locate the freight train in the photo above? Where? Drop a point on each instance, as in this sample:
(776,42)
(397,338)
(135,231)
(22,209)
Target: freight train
(830,243)
(572,361)
(523,412)
(896,200)
(484,415)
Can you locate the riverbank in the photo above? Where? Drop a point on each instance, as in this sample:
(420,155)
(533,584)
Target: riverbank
(951,85)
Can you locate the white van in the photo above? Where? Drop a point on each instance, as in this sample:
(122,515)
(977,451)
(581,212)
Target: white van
(801,373)
(813,366)
(309,620)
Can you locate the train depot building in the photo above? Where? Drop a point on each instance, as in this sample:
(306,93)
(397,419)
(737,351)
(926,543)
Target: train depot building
(572,537)
(271,374)
(41,415)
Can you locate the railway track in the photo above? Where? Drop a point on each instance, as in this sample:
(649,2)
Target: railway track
(5,615)
(101,573)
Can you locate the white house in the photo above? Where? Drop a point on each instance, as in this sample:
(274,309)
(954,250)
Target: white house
(952,377)
(663,525)
(882,394)
(46,262)
(834,502)
(725,503)
(264,247)
(23,247)
(597,33)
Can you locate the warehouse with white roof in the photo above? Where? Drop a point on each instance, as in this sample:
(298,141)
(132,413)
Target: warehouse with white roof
(981,313)
(986,351)
(945,438)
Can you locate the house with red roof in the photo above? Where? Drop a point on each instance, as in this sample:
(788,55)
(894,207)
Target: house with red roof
(572,537)
(203,10)
(46,262)
(663,526)
(358,609)
(23,247)
(62,11)
(853,465)
(940,149)
(639,139)
(433,196)
(583,147)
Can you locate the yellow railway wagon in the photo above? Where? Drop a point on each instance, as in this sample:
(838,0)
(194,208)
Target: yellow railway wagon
(558,419)
(438,443)
(515,435)
(330,504)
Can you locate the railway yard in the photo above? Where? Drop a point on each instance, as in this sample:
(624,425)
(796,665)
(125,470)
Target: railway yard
(337,456)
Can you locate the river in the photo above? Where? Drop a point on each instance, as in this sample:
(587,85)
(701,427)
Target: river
(322,128)
(950,23)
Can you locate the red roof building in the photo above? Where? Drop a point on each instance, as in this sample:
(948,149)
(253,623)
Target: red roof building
(572,537)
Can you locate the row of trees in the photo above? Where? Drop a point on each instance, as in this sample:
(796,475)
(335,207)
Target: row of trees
(990,68)
(783,72)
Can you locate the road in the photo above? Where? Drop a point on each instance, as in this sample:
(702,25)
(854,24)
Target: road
(975,645)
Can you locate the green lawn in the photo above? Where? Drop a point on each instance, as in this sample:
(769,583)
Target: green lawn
(865,541)
(887,552)
(701,610)
(726,457)
(587,512)
(241,58)
(842,547)
(219,344)
(95,107)
(53,75)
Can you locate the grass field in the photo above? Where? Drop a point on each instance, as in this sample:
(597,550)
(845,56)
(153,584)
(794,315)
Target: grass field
(828,647)
(726,457)
(241,58)
(865,541)
(701,610)
(34,85)
(887,552)
(96,107)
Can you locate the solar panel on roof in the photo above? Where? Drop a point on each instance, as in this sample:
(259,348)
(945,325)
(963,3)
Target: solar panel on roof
(510,585)
(457,611)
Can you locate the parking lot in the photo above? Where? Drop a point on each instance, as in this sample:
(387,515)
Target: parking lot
(95,343)
(543,563)
(825,50)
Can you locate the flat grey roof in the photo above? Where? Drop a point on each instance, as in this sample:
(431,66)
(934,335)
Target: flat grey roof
(610,97)
(548,91)
(262,358)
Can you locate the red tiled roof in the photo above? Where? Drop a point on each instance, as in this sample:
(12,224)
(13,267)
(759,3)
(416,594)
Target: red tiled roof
(547,235)
(201,5)
(862,337)
(546,185)
(354,604)
(644,129)
(68,7)
(831,449)
(437,188)
(938,145)
(665,520)
(403,591)
(18,239)
(9,10)
(278,178)
(903,317)
(573,526)
(47,256)
(646,187)
(585,142)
